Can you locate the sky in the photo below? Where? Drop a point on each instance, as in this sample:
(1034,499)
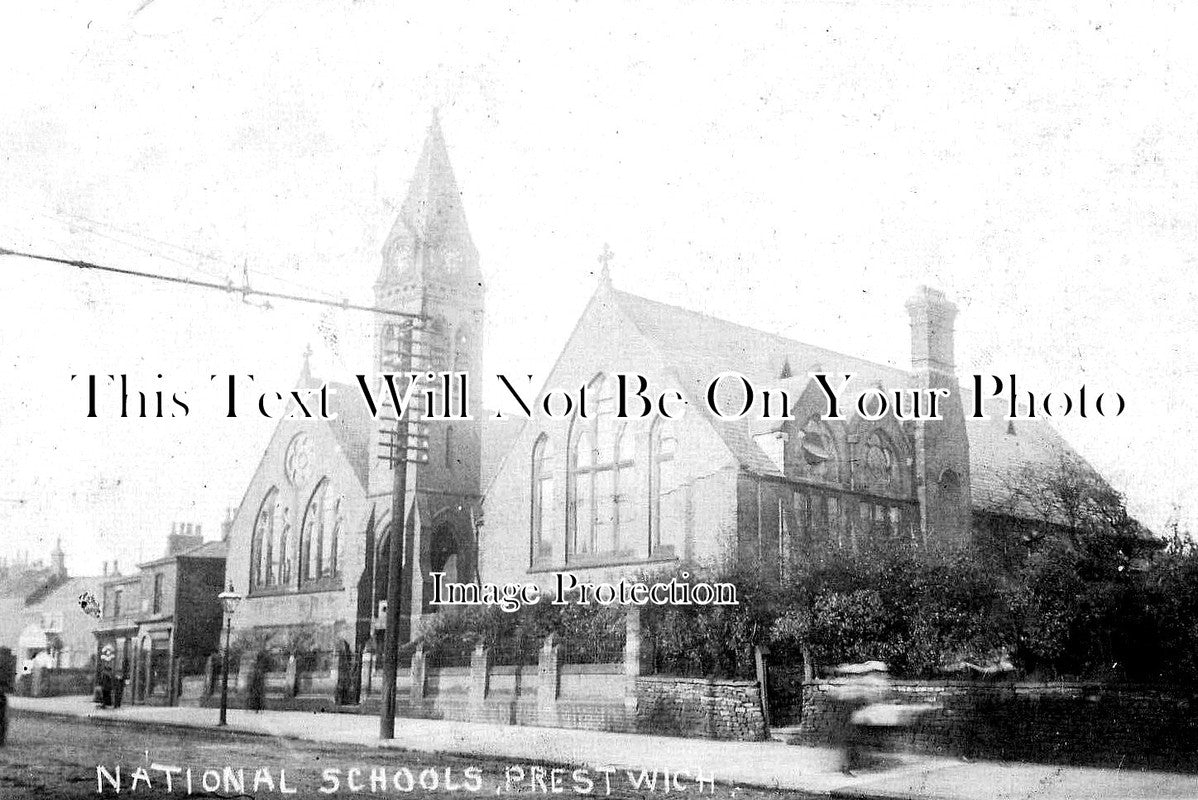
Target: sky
(797,167)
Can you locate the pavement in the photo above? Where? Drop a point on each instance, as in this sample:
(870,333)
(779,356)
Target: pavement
(771,765)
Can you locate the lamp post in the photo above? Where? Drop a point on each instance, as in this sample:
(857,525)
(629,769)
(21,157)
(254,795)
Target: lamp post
(229,599)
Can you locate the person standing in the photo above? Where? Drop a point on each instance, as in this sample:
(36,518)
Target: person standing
(8,670)
(107,675)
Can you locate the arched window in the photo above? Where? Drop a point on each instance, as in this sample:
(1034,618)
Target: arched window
(262,544)
(435,335)
(543,497)
(283,525)
(881,470)
(666,508)
(602,469)
(461,353)
(321,543)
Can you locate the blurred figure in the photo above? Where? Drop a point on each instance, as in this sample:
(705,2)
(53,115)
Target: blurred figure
(864,691)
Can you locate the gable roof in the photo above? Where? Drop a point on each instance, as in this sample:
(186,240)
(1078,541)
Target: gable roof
(699,347)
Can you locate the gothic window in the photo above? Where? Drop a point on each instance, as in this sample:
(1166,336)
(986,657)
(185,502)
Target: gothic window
(263,544)
(881,471)
(320,544)
(666,509)
(283,548)
(885,521)
(785,546)
(435,347)
(461,353)
(819,518)
(543,497)
(602,476)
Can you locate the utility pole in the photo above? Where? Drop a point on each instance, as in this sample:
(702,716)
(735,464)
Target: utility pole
(405,447)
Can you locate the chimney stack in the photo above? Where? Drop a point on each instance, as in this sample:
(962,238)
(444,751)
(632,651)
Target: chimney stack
(116,570)
(932,317)
(226,527)
(105,569)
(941,446)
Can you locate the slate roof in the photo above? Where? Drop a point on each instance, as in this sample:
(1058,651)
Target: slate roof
(214,549)
(352,427)
(699,347)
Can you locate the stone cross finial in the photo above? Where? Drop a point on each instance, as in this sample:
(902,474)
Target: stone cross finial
(306,373)
(605,258)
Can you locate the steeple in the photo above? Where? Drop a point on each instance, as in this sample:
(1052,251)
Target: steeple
(430,239)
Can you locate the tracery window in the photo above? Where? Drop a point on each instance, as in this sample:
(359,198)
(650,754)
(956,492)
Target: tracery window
(603,468)
(666,509)
(543,496)
(320,545)
(881,471)
(461,353)
(268,557)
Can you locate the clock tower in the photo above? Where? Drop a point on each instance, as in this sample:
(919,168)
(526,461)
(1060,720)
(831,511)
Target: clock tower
(430,266)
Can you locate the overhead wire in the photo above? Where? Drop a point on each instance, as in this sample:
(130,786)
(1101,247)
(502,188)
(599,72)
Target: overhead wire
(229,287)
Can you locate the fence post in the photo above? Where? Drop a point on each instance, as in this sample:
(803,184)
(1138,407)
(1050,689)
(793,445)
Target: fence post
(417,670)
(211,677)
(291,677)
(366,676)
(174,668)
(759,657)
(547,681)
(480,675)
(632,659)
(245,670)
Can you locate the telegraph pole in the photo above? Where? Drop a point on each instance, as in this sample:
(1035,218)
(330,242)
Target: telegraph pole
(407,446)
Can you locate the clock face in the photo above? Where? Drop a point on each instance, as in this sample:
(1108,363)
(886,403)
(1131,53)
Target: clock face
(297,462)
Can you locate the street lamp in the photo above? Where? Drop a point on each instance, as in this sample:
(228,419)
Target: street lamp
(229,599)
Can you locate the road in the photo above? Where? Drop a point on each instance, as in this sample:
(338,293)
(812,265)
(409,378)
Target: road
(58,757)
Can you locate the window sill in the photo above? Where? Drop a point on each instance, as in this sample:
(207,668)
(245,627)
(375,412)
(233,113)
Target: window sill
(325,585)
(612,560)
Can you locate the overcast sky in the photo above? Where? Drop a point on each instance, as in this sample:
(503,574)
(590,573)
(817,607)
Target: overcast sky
(799,167)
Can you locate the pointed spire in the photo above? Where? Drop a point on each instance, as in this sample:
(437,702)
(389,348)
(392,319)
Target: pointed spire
(430,237)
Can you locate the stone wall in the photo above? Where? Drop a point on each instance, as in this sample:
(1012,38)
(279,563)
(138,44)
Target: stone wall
(699,707)
(1074,723)
(608,697)
(46,682)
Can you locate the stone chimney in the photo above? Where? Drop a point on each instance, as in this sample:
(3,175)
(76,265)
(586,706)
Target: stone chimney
(116,569)
(184,536)
(105,569)
(226,527)
(932,317)
(58,560)
(941,446)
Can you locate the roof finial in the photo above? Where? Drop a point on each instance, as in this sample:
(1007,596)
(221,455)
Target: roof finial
(306,370)
(605,258)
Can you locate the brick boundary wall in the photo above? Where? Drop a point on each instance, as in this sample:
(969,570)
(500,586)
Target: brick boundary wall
(1070,723)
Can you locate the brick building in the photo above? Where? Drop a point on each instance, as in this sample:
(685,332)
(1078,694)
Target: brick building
(164,615)
(53,630)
